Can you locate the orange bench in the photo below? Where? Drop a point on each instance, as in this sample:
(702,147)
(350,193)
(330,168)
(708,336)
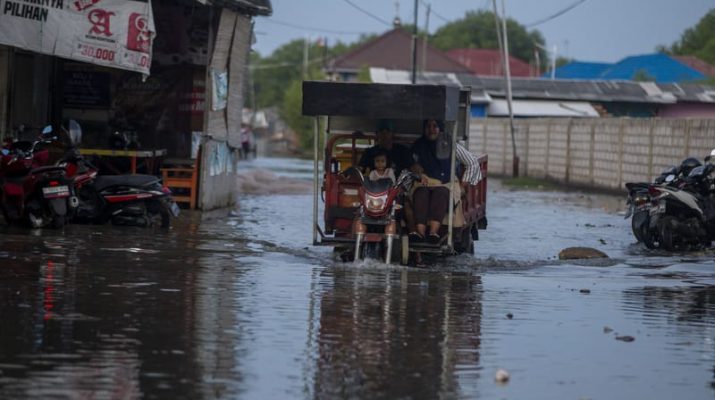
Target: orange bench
(185,178)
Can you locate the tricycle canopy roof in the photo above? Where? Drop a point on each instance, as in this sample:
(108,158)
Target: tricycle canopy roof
(378,100)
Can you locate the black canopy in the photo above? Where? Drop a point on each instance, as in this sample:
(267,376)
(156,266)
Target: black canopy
(377,100)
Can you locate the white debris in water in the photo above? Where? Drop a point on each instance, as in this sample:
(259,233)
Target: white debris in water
(502,376)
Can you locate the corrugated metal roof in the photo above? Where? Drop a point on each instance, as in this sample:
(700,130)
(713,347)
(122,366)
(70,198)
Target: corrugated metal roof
(660,67)
(579,70)
(563,89)
(391,50)
(697,64)
(488,62)
(252,7)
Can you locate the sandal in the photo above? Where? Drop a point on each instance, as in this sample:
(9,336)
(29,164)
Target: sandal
(433,238)
(415,237)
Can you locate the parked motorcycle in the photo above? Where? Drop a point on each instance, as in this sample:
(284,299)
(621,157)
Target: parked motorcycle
(377,224)
(33,194)
(129,200)
(685,217)
(640,200)
(639,204)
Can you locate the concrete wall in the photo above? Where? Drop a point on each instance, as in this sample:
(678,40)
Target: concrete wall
(684,110)
(596,152)
(217,185)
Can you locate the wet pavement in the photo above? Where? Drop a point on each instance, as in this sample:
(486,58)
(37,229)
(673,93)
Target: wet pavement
(243,307)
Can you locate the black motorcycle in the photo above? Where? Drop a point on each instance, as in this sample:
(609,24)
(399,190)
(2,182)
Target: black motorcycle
(639,203)
(684,217)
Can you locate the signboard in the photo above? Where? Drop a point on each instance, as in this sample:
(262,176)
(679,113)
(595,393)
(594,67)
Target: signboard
(113,33)
(86,89)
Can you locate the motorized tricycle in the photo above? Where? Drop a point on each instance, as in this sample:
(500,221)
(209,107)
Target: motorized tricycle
(364,219)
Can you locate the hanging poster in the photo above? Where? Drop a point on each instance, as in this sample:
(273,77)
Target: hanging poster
(113,33)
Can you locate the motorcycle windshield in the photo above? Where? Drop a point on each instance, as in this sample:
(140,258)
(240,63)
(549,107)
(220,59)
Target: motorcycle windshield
(378,186)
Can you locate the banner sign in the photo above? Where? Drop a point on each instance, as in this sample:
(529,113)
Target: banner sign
(113,33)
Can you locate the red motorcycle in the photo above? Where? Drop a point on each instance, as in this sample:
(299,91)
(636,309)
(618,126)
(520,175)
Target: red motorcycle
(130,200)
(31,193)
(377,224)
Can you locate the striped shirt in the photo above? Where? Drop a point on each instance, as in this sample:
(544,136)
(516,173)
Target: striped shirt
(472,172)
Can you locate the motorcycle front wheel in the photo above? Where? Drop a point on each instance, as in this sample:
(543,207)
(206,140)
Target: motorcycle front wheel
(668,239)
(158,213)
(637,225)
(372,250)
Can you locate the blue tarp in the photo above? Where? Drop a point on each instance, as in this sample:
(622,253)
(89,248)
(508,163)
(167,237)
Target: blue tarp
(580,70)
(660,68)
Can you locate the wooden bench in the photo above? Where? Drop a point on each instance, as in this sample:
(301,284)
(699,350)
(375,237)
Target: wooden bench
(183,176)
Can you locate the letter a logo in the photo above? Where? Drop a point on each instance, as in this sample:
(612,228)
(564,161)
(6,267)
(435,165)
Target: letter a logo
(100,22)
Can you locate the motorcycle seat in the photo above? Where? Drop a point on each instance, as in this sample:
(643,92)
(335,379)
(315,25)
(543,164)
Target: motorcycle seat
(105,181)
(49,168)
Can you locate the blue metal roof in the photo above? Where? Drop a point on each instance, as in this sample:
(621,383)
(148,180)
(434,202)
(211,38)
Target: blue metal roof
(579,70)
(659,67)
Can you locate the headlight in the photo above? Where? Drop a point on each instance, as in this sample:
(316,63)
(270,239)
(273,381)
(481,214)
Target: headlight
(375,203)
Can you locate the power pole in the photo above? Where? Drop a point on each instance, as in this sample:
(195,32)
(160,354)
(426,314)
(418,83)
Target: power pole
(305,56)
(507,76)
(414,48)
(424,41)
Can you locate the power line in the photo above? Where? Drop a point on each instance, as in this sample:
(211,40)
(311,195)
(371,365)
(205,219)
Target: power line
(564,11)
(433,12)
(307,28)
(283,64)
(368,13)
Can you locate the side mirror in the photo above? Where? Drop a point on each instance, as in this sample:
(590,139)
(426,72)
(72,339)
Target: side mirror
(75,132)
(710,156)
(47,130)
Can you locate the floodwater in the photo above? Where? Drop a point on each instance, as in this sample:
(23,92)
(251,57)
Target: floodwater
(242,306)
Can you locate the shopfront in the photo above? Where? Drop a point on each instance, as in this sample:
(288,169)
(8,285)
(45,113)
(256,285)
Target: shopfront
(191,96)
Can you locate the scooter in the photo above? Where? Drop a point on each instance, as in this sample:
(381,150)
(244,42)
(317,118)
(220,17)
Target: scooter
(32,194)
(376,226)
(129,200)
(639,204)
(684,217)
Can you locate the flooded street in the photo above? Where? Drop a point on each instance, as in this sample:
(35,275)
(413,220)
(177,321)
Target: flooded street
(243,307)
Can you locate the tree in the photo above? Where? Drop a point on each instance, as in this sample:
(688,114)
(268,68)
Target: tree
(561,61)
(643,76)
(699,40)
(277,79)
(477,30)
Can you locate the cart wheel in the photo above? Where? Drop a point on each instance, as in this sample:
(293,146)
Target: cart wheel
(405,250)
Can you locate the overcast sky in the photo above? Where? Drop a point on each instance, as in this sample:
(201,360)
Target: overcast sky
(595,30)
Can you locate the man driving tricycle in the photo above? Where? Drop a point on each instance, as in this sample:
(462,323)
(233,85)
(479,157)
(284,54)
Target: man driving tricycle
(364,218)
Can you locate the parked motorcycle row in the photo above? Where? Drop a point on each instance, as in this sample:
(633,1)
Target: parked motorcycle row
(677,210)
(35,194)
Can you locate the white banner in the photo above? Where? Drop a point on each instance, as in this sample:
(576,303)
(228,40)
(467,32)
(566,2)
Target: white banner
(114,33)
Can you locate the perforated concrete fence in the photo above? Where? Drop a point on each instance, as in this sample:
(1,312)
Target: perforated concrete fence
(597,152)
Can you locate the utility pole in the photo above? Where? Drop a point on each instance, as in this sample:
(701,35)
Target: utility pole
(507,76)
(414,48)
(553,64)
(306,43)
(424,41)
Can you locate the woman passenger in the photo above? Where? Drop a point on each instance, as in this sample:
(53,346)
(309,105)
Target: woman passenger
(432,162)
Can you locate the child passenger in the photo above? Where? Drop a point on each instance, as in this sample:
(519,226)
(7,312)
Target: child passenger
(381,170)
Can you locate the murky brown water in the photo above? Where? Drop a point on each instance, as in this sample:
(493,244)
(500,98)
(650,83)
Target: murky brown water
(243,307)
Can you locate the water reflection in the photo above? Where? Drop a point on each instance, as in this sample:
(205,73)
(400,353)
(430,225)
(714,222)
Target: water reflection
(243,307)
(397,334)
